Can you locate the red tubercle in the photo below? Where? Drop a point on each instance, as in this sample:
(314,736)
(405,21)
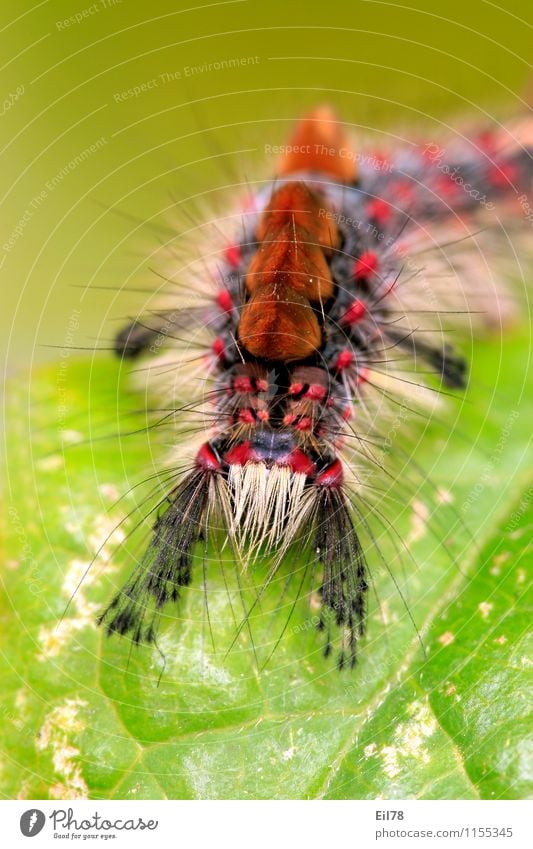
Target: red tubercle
(379,157)
(207,460)
(239,454)
(225,301)
(344,360)
(242,383)
(305,423)
(263,416)
(246,417)
(315,392)
(355,312)
(300,463)
(297,461)
(261,385)
(295,388)
(365,265)
(347,413)
(404,190)
(503,176)
(486,140)
(233,256)
(289,419)
(332,477)
(445,186)
(218,348)
(379,210)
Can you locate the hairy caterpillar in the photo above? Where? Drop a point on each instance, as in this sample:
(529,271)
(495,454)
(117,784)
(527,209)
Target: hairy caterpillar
(310,324)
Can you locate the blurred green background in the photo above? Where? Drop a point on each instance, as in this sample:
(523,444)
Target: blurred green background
(77,138)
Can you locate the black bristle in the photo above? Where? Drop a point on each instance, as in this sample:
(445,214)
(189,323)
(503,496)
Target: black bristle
(344,587)
(165,567)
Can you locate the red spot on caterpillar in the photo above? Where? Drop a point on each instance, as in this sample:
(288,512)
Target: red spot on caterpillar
(289,419)
(305,423)
(355,312)
(445,186)
(379,210)
(500,176)
(239,454)
(218,348)
(315,392)
(225,301)
(241,383)
(485,140)
(261,385)
(346,413)
(295,388)
(263,416)
(344,360)
(404,191)
(246,417)
(300,463)
(380,159)
(365,265)
(206,459)
(318,143)
(332,476)
(233,256)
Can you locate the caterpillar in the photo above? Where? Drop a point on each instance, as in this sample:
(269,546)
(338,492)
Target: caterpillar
(309,332)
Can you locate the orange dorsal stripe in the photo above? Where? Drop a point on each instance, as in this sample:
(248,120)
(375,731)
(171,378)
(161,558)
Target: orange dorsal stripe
(295,204)
(288,276)
(293,258)
(278,323)
(319,143)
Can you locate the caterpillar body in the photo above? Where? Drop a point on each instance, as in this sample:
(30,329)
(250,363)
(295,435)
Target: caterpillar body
(311,329)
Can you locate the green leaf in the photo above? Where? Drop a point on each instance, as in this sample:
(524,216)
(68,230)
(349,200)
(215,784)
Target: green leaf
(85,716)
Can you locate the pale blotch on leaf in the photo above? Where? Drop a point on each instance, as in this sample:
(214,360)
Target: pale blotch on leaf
(109,491)
(410,740)
(419,520)
(71,437)
(50,464)
(55,736)
(444,496)
(81,614)
(485,608)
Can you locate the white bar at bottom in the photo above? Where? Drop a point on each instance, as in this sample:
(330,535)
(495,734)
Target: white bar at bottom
(268,825)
